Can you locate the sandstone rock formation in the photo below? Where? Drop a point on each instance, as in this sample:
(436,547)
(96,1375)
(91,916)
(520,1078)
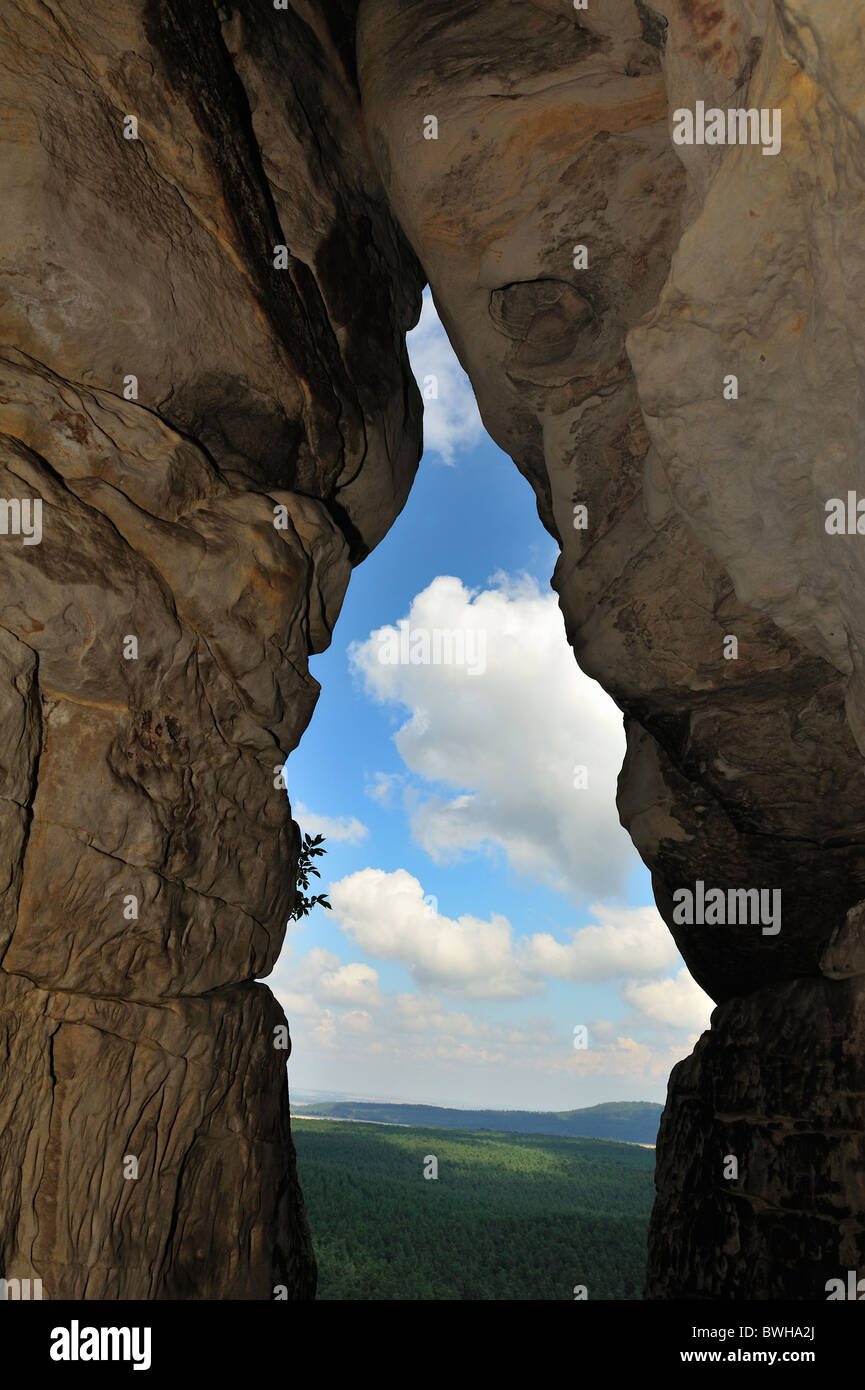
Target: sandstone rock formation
(241,250)
(198,529)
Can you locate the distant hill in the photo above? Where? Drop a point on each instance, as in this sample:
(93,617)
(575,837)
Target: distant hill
(508,1216)
(634,1121)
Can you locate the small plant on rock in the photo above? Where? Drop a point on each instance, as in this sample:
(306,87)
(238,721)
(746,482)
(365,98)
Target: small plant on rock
(310,848)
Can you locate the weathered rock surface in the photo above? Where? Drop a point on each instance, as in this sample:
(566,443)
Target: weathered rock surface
(194,1091)
(777,1086)
(198,530)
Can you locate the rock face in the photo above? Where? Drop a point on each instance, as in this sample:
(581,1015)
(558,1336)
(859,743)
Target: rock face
(608,376)
(776,1086)
(207,282)
(203,381)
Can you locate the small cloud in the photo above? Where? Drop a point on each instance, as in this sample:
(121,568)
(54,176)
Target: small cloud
(357,1020)
(451,421)
(332,828)
(355,984)
(319,975)
(602,1028)
(383,788)
(674,1002)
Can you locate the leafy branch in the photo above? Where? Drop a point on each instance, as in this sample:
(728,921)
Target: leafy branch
(310,849)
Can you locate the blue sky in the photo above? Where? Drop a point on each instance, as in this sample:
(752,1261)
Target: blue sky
(486,900)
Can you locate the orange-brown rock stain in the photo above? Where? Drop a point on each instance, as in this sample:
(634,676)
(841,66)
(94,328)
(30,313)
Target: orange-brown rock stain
(75,424)
(704,16)
(714,33)
(554,135)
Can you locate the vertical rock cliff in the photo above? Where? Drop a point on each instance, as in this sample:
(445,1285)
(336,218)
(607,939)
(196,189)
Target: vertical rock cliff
(204,386)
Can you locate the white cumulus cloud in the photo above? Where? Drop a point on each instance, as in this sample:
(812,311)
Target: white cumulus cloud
(387,916)
(526,752)
(631,941)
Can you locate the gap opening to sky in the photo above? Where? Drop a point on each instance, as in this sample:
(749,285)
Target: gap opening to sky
(486,901)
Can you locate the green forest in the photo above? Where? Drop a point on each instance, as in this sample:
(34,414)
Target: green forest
(509,1216)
